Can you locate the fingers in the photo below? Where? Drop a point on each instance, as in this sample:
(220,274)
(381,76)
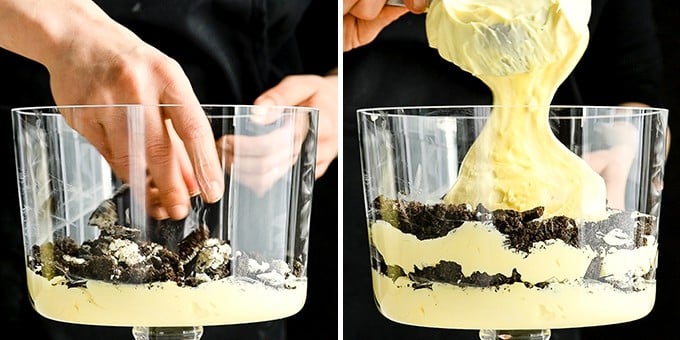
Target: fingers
(161,160)
(292,90)
(347,5)
(258,154)
(139,141)
(192,126)
(327,151)
(362,26)
(168,166)
(417,6)
(158,202)
(138,147)
(312,91)
(184,160)
(367,10)
(253,163)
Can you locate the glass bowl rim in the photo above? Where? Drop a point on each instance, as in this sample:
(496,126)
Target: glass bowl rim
(403,111)
(49,110)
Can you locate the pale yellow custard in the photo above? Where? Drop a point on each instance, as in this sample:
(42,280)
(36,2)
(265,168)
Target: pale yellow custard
(226,301)
(567,300)
(509,307)
(118,279)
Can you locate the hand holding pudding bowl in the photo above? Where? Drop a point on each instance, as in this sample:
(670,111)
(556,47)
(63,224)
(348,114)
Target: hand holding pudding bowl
(94,255)
(515,230)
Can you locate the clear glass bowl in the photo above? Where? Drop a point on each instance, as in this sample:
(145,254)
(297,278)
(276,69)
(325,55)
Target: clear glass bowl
(471,266)
(94,255)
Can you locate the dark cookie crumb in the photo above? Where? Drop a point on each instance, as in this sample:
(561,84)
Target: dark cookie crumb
(436,220)
(423,221)
(119,255)
(95,261)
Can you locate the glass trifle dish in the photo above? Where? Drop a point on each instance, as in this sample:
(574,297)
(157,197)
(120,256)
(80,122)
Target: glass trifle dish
(513,231)
(95,253)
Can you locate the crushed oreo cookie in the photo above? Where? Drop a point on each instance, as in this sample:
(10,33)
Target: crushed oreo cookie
(121,255)
(436,220)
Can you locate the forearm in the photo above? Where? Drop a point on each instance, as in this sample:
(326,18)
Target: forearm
(42,30)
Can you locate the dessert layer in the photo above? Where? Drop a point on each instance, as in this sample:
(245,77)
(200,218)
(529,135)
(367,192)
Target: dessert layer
(226,301)
(452,266)
(516,306)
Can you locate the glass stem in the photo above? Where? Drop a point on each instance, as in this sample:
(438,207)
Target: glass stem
(514,334)
(167,333)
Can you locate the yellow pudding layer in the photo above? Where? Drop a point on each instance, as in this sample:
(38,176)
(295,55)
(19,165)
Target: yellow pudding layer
(226,301)
(562,305)
(566,301)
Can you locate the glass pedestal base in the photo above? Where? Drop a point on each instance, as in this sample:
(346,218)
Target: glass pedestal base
(167,333)
(516,334)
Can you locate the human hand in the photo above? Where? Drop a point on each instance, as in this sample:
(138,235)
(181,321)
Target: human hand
(104,63)
(614,162)
(363,20)
(264,146)
(311,91)
(258,161)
